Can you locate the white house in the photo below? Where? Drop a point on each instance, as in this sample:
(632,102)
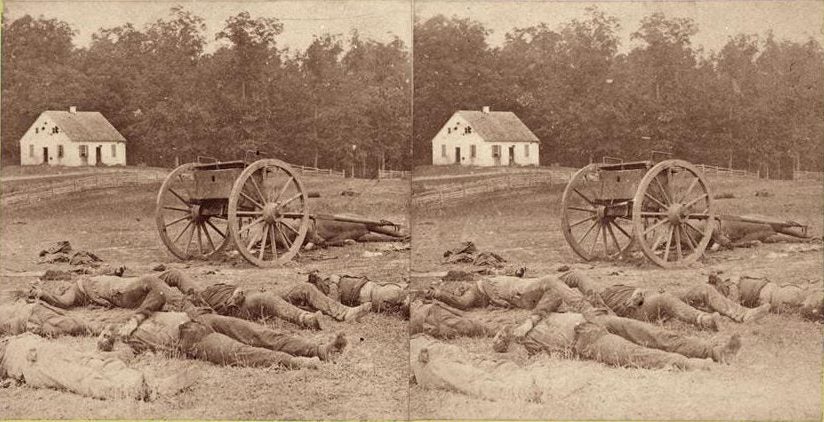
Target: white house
(485,138)
(72,138)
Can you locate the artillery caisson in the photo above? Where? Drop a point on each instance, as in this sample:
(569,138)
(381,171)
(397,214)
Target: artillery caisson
(663,209)
(259,207)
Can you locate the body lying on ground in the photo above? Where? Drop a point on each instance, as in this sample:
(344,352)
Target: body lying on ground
(229,299)
(358,290)
(806,299)
(626,301)
(181,294)
(732,232)
(329,232)
(42,363)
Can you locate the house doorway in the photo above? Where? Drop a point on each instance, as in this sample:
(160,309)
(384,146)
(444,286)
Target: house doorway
(98,155)
(457,155)
(496,154)
(512,155)
(45,155)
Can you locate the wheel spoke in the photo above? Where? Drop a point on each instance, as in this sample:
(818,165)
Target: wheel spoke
(177,209)
(690,242)
(582,209)
(286,202)
(257,188)
(604,238)
(179,197)
(249,213)
(689,189)
(274,240)
(249,226)
(653,214)
(182,231)
(209,237)
(660,204)
(185,217)
(655,226)
(579,222)
(657,243)
(618,226)
(199,240)
(243,194)
(283,189)
(595,242)
(581,240)
(677,231)
(583,196)
(663,191)
(698,216)
(209,222)
(669,243)
(614,239)
(286,240)
(694,201)
(264,235)
(191,236)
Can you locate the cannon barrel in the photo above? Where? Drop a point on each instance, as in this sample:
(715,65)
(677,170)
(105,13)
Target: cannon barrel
(353,219)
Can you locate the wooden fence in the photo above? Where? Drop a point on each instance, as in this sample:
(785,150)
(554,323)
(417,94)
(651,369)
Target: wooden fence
(393,174)
(808,175)
(317,171)
(80,184)
(450,193)
(725,172)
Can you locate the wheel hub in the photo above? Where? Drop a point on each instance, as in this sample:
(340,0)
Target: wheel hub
(271,212)
(196,213)
(676,213)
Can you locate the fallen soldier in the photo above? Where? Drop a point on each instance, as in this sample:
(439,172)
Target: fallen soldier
(439,320)
(41,363)
(685,305)
(807,300)
(327,231)
(18,316)
(748,230)
(626,301)
(600,335)
(229,299)
(219,339)
(355,291)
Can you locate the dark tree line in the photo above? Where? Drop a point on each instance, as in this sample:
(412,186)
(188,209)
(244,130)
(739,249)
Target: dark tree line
(756,104)
(341,102)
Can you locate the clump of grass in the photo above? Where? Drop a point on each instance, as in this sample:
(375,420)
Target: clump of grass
(724,195)
(763,193)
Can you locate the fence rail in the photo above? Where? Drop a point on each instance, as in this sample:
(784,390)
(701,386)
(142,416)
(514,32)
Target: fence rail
(808,175)
(723,171)
(393,174)
(444,195)
(315,170)
(105,180)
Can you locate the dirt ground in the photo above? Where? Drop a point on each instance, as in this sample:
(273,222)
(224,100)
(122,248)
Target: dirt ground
(777,374)
(369,381)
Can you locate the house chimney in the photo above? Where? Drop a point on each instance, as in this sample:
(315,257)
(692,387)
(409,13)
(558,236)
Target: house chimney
(73,110)
(486,109)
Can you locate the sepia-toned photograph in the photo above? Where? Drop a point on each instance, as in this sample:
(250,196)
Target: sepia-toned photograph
(204,210)
(411,210)
(616,210)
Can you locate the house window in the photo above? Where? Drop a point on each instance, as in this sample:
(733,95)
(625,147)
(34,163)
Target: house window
(496,151)
(526,150)
(467,130)
(472,151)
(60,151)
(36,130)
(443,150)
(448,130)
(84,151)
(114,150)
(54,129)
(31,150)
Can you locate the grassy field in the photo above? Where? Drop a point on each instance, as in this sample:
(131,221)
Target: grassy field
(369,380)
(777,375)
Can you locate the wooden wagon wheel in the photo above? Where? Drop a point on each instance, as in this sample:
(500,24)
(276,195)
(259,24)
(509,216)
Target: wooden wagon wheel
(672,213)
(186,228)
(268,214)
(591,226)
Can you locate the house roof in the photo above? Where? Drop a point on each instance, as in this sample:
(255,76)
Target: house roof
(85,126)
(498,126)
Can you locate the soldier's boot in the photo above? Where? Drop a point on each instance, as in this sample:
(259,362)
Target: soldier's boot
(355,314)
(710,321)
(311,320)
(502,339)
(724,353)
(754,314)
(335,347)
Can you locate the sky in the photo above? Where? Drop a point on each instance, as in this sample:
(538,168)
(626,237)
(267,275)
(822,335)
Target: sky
(379,20)
(716,20)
